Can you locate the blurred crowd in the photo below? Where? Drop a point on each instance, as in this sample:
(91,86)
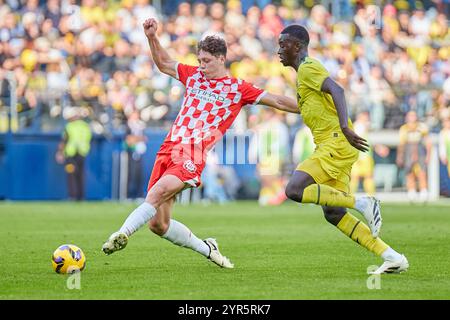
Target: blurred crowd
(94,54)
(391,57)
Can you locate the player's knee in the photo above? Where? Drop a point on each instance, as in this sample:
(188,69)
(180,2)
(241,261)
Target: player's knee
(157,226)
(333,215)
(157,195)
(294,191)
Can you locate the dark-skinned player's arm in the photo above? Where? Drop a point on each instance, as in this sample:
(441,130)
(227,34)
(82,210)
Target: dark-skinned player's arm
(160,56)
(280,102)
(337,93)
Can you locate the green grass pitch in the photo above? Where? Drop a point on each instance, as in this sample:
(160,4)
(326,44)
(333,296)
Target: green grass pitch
(286,252)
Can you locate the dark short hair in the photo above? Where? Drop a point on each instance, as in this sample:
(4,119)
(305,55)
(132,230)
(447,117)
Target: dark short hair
(299,32)
(214,45)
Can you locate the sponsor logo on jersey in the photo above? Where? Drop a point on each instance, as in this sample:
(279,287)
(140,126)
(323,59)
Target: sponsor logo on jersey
(207,95)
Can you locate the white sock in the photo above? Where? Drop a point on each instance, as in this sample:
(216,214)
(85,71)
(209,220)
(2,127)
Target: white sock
(391,255)
(140,216)
(179,234)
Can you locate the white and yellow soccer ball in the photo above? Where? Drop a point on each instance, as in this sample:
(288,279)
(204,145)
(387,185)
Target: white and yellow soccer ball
(68,258)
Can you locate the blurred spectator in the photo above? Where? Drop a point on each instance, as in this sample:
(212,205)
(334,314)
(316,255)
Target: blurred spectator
(424,96)
(220,182)
(107,37)
(142,10)
(413,155)
(201,20)
(4,101)
(378,88)
(251,45)
(358,96)
(319,23)
(269,149)
(389,60)
(73,149)
(394,116)
(270,20)
(52,12)
(444,143)
(363,168)
(419,26)
(135,145)
(247,4)
(303,145)
(372,45)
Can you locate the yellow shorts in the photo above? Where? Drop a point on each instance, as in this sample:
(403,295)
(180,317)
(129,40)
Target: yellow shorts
(331,164)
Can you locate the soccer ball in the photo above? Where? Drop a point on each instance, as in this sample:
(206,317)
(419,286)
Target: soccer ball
(68,258)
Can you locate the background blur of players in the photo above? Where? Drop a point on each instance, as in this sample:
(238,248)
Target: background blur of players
(363,167)
(270,148)
(391,57)
(414,156)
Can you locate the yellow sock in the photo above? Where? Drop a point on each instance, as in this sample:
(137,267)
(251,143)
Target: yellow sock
(327,196)
(360,233)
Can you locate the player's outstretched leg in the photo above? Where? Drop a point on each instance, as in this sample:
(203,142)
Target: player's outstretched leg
(118,240)
(360,233)
(163,190)
(180,235)
(303,188)
(156,211)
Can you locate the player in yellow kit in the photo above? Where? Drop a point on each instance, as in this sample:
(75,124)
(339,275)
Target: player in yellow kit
(324,178)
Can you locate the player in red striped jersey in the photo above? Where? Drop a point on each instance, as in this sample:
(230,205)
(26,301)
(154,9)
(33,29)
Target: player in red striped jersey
(211,102)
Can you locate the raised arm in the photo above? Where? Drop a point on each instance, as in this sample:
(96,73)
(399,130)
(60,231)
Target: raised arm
(162,59)
(337,93)
(280,102)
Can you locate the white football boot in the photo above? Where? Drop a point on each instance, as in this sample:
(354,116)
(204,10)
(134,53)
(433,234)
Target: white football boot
(370,208)
(215,256)
(388,266)
(117,241)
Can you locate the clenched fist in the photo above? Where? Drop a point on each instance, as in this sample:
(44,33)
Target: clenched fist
(150,27)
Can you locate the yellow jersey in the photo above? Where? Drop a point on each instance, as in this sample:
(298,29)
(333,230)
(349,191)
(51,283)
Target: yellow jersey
(335,154)
(317,107)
